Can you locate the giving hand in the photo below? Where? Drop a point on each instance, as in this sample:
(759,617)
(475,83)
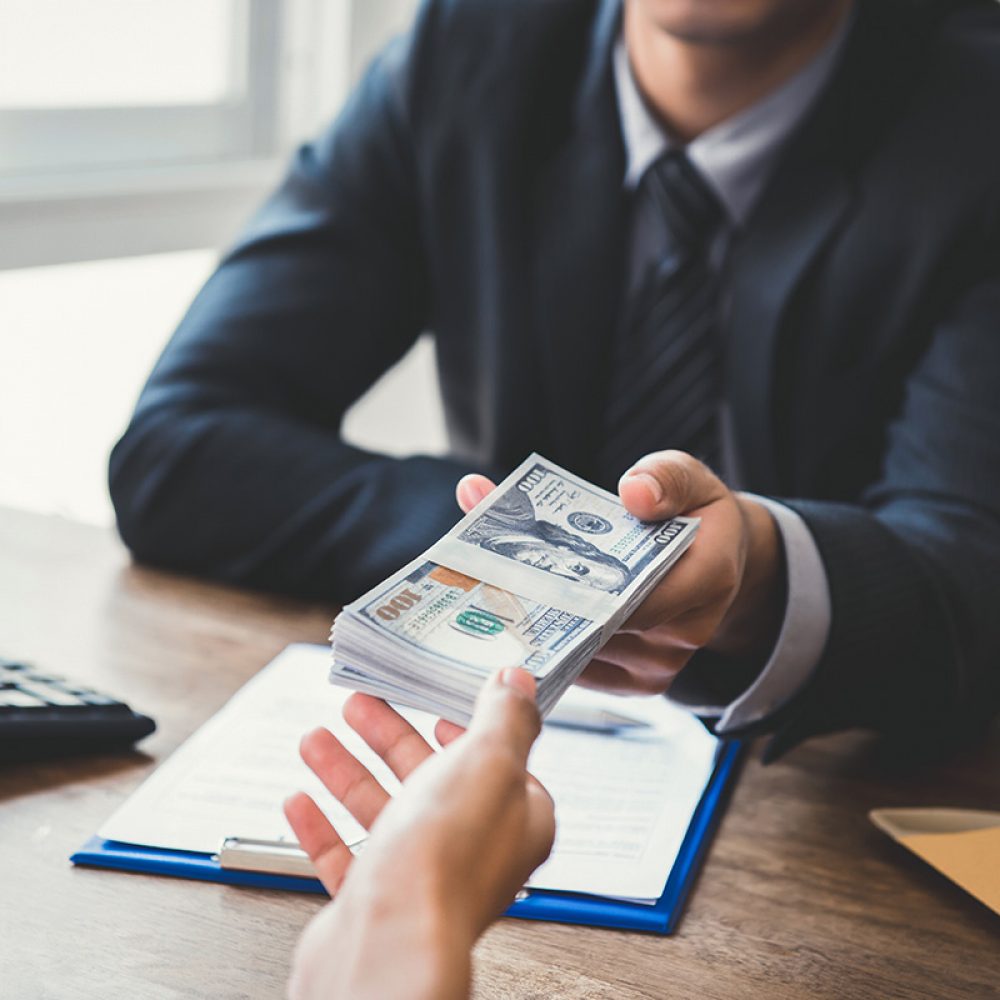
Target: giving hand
(726,593)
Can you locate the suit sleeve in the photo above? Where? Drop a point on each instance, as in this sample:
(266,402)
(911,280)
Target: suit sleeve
(232,465)
(914,569)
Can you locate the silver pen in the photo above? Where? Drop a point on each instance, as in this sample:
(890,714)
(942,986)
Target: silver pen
(594,720)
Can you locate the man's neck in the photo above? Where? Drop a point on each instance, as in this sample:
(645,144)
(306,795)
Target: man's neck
(692,86)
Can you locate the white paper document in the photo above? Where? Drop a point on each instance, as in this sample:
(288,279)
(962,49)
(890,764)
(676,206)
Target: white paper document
(623,802)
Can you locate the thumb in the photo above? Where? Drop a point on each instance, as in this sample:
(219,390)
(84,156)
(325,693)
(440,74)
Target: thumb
(667,483)
(471,489)
(506,711)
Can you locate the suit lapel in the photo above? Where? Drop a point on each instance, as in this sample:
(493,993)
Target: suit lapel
(802,210)
(798,215)
(579,257)
(768,263)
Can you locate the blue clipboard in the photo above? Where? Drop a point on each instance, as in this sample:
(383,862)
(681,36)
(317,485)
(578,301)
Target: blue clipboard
(569,908)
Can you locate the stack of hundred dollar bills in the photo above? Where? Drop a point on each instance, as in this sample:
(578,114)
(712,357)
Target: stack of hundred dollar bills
(540,574)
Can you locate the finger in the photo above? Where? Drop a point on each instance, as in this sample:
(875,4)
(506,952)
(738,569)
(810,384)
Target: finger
(328,853)
(705,580)
(602,675)
(506,710)
(540,832)
(661,652)
(667,483)
(471,489)
(446,732)
(387,733)
(599,675)
(639,664)
(691,629)
(347,780)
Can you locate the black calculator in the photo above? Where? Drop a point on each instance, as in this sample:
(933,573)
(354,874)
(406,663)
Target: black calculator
(43,716)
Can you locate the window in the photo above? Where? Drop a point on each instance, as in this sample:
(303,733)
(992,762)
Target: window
(137,126)
(135,138)
(126,82)
(76,344)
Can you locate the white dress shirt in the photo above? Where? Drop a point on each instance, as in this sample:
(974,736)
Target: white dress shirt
(736,157)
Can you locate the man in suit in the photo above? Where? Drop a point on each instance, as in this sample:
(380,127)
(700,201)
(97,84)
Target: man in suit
(762,233)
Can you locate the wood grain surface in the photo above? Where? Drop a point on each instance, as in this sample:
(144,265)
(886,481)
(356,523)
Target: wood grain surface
(800,896)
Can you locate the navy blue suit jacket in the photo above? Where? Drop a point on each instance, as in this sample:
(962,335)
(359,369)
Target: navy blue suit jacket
(472,186)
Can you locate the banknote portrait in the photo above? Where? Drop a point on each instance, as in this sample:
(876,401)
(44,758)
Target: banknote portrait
(511,528)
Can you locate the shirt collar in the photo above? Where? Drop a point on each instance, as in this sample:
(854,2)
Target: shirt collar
(735,155)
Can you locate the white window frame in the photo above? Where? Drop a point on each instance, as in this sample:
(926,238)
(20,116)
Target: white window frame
(187,177)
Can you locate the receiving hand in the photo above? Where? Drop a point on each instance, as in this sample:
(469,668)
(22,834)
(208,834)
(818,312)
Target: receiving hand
(445,857)
(726,593)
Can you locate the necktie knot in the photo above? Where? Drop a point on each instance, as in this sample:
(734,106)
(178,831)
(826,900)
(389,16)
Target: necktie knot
(689,207)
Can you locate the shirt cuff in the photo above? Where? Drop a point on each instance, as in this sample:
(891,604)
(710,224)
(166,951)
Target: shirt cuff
(804,629)
(803,632)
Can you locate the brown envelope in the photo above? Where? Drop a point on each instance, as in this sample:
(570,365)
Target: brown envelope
(963,844)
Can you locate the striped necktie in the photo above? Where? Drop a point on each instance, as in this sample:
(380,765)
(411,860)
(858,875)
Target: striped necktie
(666,384)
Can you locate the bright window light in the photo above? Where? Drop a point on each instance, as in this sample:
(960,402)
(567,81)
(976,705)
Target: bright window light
(119,53)
(76,344)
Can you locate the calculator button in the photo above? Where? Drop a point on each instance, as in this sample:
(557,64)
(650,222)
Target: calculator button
(51,695)
(93,698)
(13,698)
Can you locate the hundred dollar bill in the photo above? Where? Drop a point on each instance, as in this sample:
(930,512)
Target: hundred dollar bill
(548,533)
(430,636)
(540,574)
(433,609)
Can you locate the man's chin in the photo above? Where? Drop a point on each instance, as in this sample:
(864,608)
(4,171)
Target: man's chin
(724,22)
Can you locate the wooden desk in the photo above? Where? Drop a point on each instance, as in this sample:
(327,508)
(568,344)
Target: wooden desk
(800,896)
